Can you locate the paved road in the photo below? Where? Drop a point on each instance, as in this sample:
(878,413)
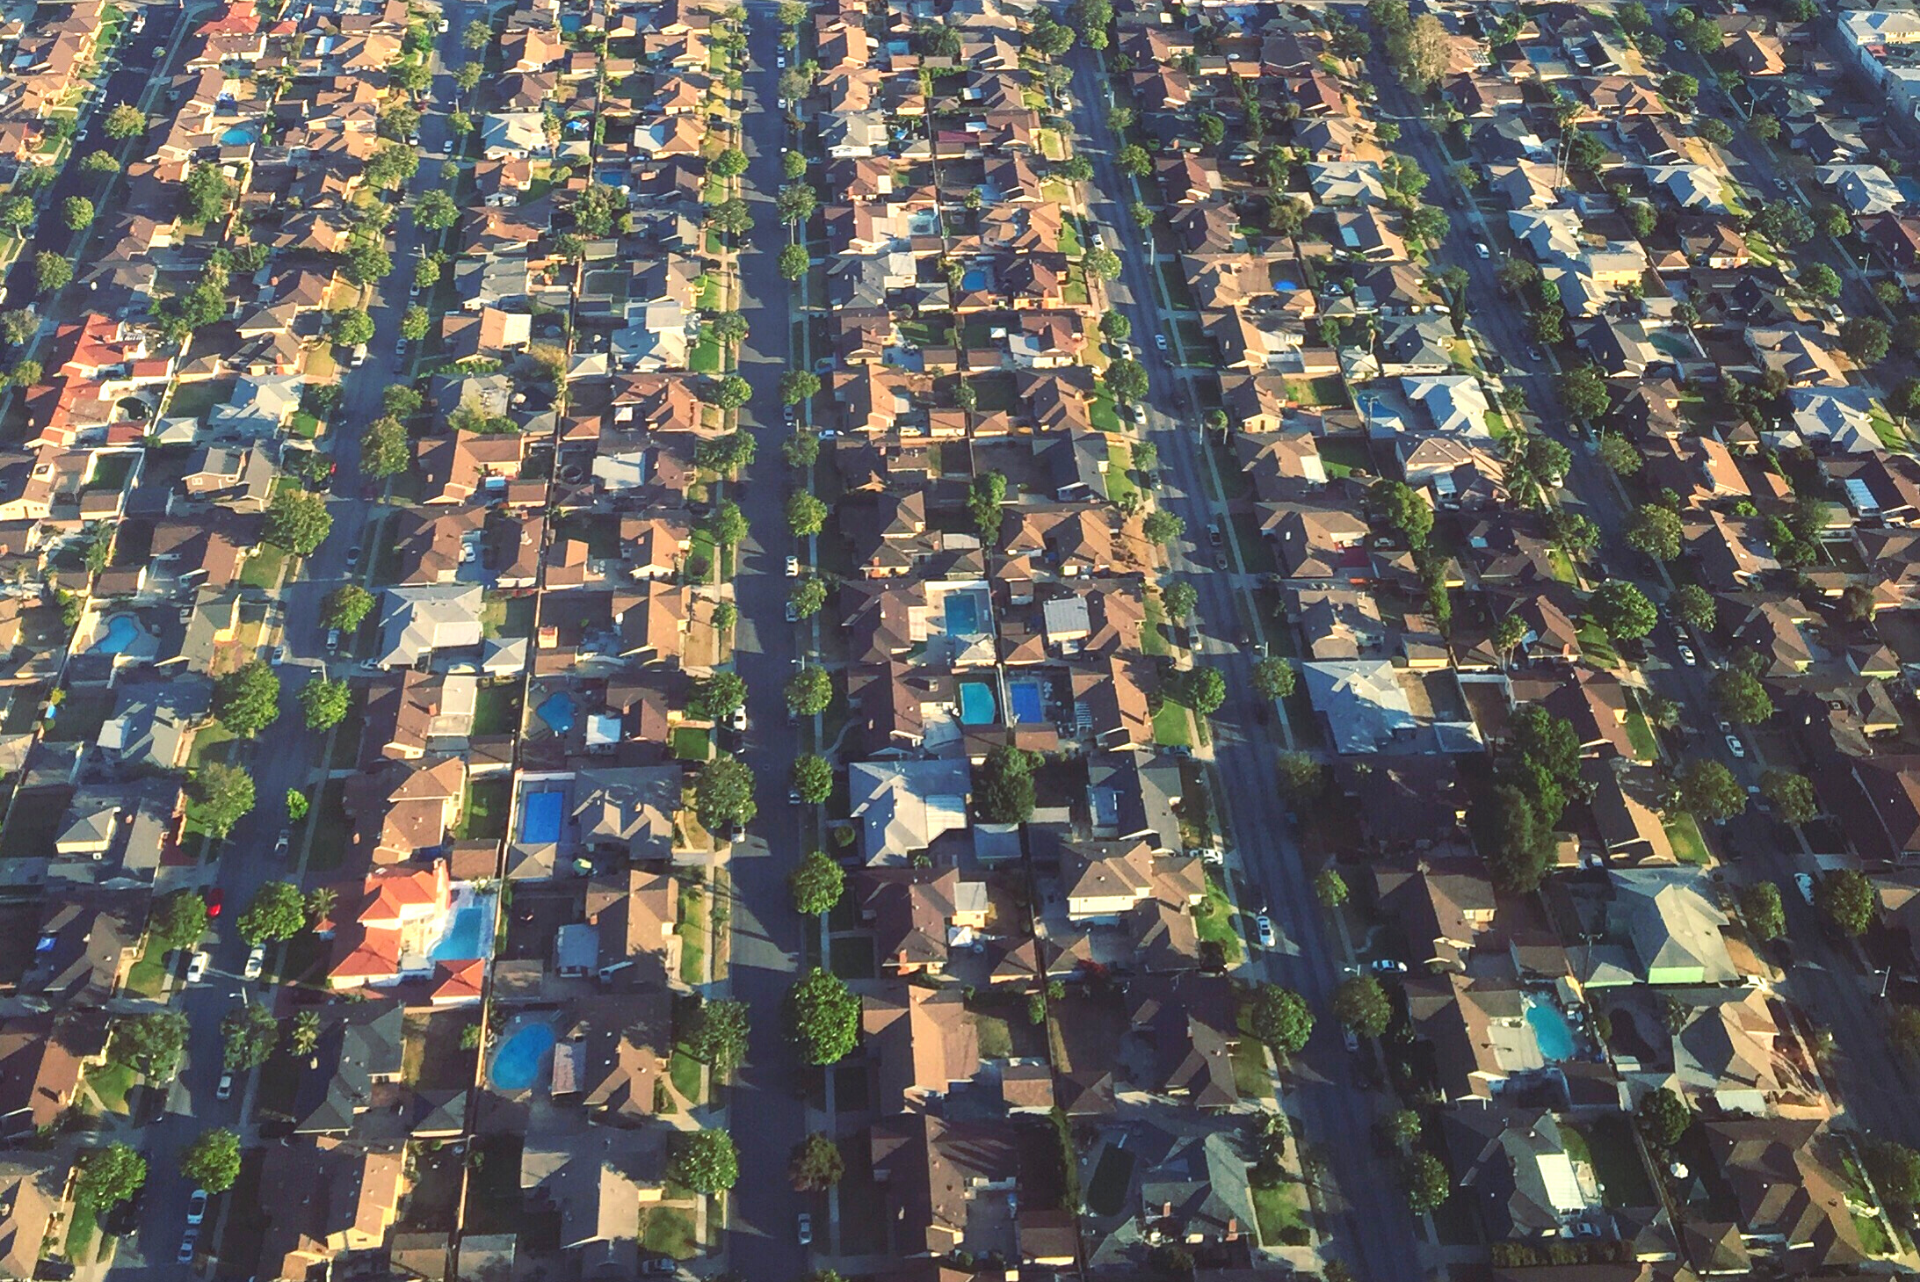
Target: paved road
(766,1112)
(1368,1222)
(287,753)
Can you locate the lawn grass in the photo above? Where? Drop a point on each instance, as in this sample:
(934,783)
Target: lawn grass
(81,1230)
(1119,465)
(148,974)
(1250,1074)
(706,356)
(484,816)
(262,569)
(1152,639)
(496,709)
(1282,1207)
(692,743)
(1172,726)
(1689,847)
(995,1038)
(111,1082)
(1327,389)
(1640,735)
(692,930)
(668,1230)
(1213,921)
(685,1071)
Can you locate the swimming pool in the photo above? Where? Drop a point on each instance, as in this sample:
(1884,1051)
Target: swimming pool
(572,22)
(517,1062)
(238,136)
(1551,1032)
(469,936)
(121,632)
(1029,705)
(974,278)
(976,703)
(557,711)
(540,817)
(963,614)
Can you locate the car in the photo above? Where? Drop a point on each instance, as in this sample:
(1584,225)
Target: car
(793,613)
(215,897)
(1220,560)
(256,962)
(739,720)
(1480,248)
(780,62)
(793,567)
(279,655)
(1351,1038)
(188,1245)
(333,638)
(1387,966)
(353,556)
(664,1264)
(1803,882)
(781,103)
(197,967)
(1687,655)
(738,835)
(794,798)
(441,27)
(1263,931)
(1140,415)
(1160,341)
(1214,534)
(803,1229)
(1535,355)
(197,1206)
(1099,240)
(281,843)
(1734,746)
(225,1089)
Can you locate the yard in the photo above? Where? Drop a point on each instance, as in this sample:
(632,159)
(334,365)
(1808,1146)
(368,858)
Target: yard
(692,743)
(1213,921)
(484,816)
(1172,727)
(692,930)
(1282,1212)
(1251,1077)
(1689,846)
(1616,1161)
(1328,389)
(496,709)
(668,1230)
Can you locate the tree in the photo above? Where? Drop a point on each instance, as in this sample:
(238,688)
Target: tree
(1301,778)
(1738,696)
(715,1032)
(1115,327)
(297,521)
(817,883)
(730,163)
(1425,1179)
(796,202)
(1003,790)
(801,450)
(212,1161)
(1847,900)
(150,1044)
(1679,88)
(1620,454)
(178,921)
(1706,789)
(1103,263)
(727,526)
(52,271)
(809,691)
(76,212)
(1654,531)
(1178,599)
(1584,389)
(823,1017)
(305,1033)
(1202,688)
(730,392)
(368,264)
(1820,280)
(816,1164)
(107,1176)
(1516,836)
(705,1160)
(984,497)
(1790,795)
(1621,610)
(1419,52)
(384,448)
(716,696)
(1693,606)
(1134,160)
(476,36)
(1162,526)
(1075,169)
(807,597)
(805,514)
(793,260)
(1400,507)
(19,325)
(1278,1017)
(1894,1169)
(1361,1004)
(1127,380)
(723,793)
(1048,38)
(1784,222)
(125,120)
(1274,678)
(219,796)
(1663,1117)
(248,1032)
(728,327)
(812,778)
(1765,126)
(435,211)
(247,700)
(345,607)
(1865,337)
(1330,888)
(1760,909)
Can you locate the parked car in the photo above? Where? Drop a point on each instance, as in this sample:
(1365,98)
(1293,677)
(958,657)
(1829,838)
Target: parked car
(256,962)
(225,1089)
(1160,341)
(1480,248)
(663,1265)
(215,897)
(1803,882)
(1687,655)
(333,638)
(197,967)
(353,556)
(1734,746)
(197,1206)
(1351,1038)
(793,567)
(793,614)
(803,1227)
(1388,966)
(1263,931)
(739,719)
(280,844)
(188,1245)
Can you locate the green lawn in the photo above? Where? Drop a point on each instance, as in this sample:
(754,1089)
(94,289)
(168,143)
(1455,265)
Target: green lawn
(1279,1209)
(692,743)
(668,1230)
(262,569)
(496,709)
(1328,389)
(1213,921)
(111,1082)
(1172,726)
(1152,639)
(1616,1161)
(705,358)
(1689,847)
(1069,240)
(685,1071)
(1640,735)
(693,933)
(484,817)
(1103,414)
(1119,464)
(1250,1074)
(996,1039)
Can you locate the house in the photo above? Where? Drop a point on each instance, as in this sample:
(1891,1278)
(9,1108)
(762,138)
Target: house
(1671,927)
(31,1186)
(1481,1039)
(923,1042)
(1789,1183)
(1518,1170)
(597,1181)
(417,622)
(1443,908)
(1104,881)
(1361,702)
(905,807)
(43,1057)
(614,1055)
(918,914)
(401,916)
(327,1200)
(945,1182)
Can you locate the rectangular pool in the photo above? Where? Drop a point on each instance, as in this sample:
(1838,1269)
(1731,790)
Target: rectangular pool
(469,936)
(540,815)
(1029,705)
(976,704)
(963,614)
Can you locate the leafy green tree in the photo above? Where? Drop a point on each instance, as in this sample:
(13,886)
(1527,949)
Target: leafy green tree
(801,450)
(212,1161)
(705,1160)
(16,211)
(1178,599)
(1663,1117)
(297,521)
(150,1044)
(177,921)
(1655,531)
(812,778)
(324,703)
(1622,610)
(1330,888)
(125,120)
(247,700)
(384,448)
(1361,1004)
(476,35)
(107,1176)
(1620,454)
(1740,697)
(1517,837)
(368,264)
(248,1033)
(1760,908)
(817,883)
(1706,789)
(1127,380)
(816,1164)
(1004,788)
(823,1017)
(805,514)
(796,202)
(730,163)
(723,793)
(219,796)
(1820,280)
(1302,779)
(798,385)
(1134,160)
(807,597)
(1847,900)
(1866,338)
(52,271)
(1162,526)
(1693,606)
(793,260)
(1203,689)
(1584,389)
(809,691)
(1400,507)
(984,498)
(716,696)
(1101,263)
(1278,1017)
(715,1033)
(297,805)
(1790,795)
(1895,1171)
(345,607)
(1424,1177)
(76,212)
(727,526)
(730,392)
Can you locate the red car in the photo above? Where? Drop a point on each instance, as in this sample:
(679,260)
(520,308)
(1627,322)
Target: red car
(213,901)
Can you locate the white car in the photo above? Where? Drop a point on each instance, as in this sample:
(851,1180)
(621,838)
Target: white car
(1480,248)
(280,846)
(256,962)
(225,1089)
(1160,341)
(739,719)
(188,1245)
(197,1206)
(1263,931)
(793,613)
(1803,882)
(803,1227)
(1687,655)
(1737,748)
(793,567)
(780,62)
(197,968)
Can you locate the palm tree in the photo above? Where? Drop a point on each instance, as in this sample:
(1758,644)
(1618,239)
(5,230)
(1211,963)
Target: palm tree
(305,1034)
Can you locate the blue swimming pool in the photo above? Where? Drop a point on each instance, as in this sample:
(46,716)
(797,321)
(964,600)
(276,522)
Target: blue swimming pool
(121,632)
(469,936)
(572,22)
(963,614)
(517,1063)
(238,136)
(976,703)
(557,711)
(540,814)
(1029,706)
(974,278)
(1551,1032)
